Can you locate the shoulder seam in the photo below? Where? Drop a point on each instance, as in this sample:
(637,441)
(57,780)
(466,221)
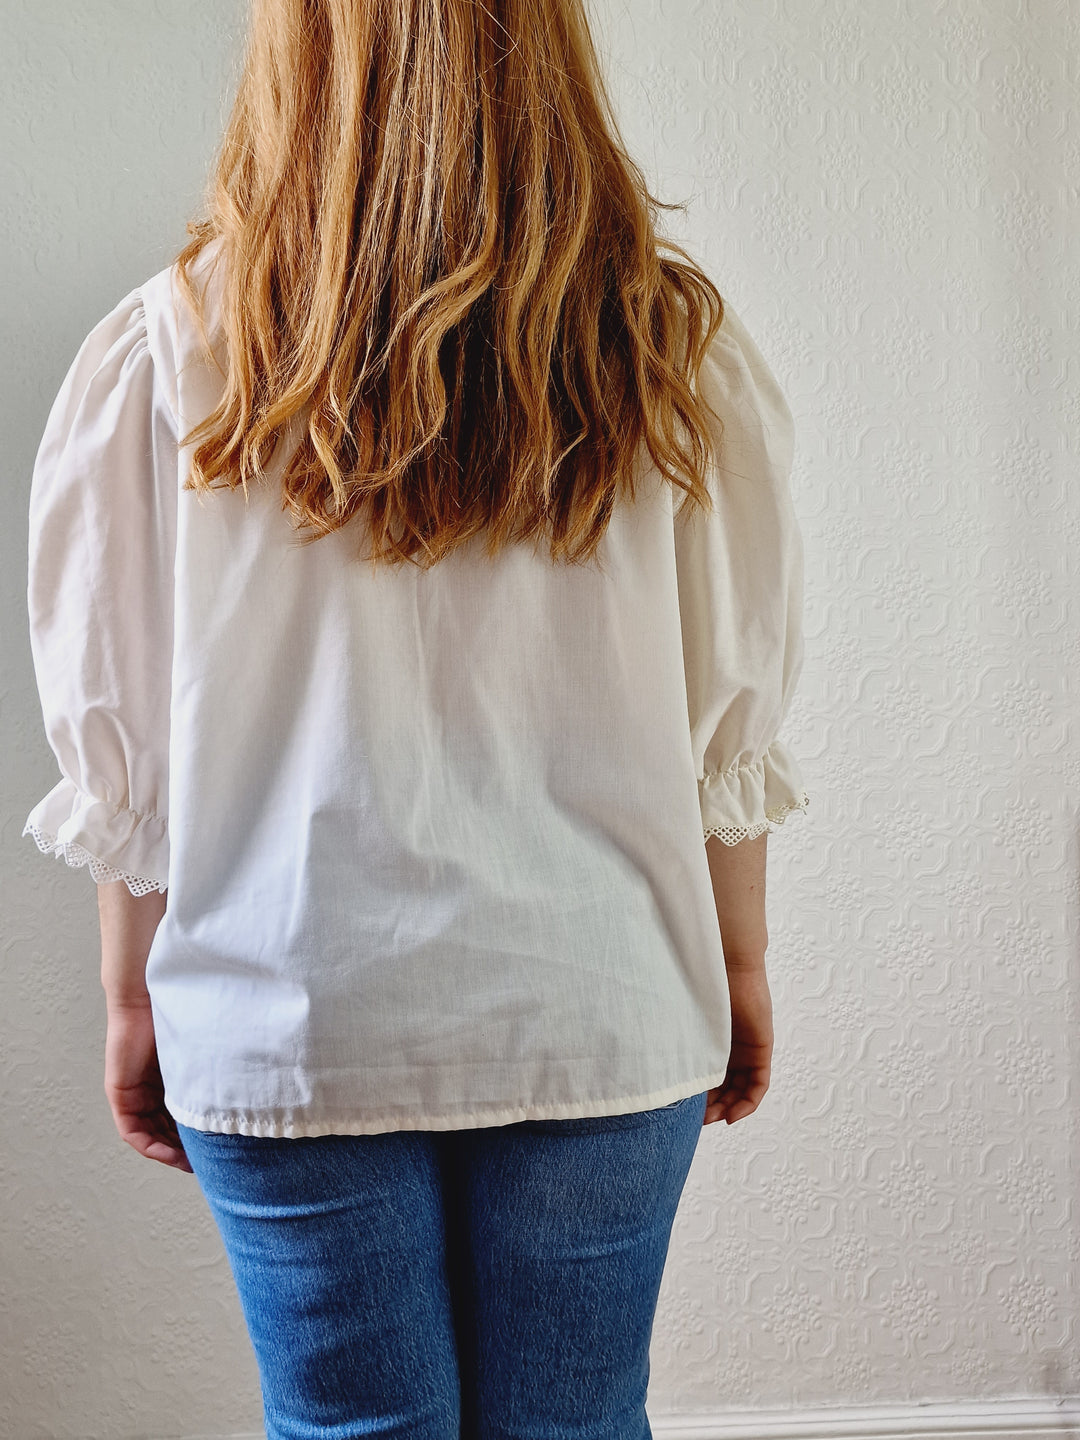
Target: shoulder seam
(164,363)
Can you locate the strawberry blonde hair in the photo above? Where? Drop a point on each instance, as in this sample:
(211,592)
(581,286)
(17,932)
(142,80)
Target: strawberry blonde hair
(441,266)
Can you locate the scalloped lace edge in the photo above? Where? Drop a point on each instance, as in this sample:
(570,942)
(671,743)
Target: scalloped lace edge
(103,874)
(732,834)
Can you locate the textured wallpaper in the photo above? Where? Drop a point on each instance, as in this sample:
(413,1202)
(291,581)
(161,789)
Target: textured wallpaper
(889,194)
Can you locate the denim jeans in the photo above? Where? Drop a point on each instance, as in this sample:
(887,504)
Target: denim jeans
(453,1285)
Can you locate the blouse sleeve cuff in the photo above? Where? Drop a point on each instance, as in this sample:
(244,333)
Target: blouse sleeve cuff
(740,803)
(117,844)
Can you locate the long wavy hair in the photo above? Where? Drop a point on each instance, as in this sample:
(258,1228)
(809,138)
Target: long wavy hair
(441,269)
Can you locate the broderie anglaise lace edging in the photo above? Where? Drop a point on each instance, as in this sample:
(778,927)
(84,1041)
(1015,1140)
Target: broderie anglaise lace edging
(732,834)
(101,872)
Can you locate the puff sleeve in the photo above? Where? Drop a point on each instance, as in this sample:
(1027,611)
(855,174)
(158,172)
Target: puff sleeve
(740,581)
(100,599)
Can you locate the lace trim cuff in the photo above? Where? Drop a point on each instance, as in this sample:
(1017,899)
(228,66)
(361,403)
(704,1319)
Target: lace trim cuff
(116,843)
(741,803)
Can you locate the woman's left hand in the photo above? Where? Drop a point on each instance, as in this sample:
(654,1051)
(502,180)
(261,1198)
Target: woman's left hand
(134,1087)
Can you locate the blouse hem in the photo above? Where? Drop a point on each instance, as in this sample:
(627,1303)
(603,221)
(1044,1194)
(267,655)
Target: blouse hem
(294,1128)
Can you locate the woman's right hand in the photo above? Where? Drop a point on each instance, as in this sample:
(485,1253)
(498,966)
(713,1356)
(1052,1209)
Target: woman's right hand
(750,1060)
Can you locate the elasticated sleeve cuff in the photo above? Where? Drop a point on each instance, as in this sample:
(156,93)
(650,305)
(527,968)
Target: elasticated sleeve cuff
(115,843)
(741,803)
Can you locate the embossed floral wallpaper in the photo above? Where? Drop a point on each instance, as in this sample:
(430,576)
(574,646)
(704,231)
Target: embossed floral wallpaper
(889,194)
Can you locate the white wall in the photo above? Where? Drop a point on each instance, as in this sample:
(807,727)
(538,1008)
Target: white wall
(886,192)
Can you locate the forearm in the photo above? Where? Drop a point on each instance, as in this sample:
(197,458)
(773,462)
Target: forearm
(128,925)
(738,880)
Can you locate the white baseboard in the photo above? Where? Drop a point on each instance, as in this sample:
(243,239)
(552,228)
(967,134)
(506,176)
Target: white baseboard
(1049,1419)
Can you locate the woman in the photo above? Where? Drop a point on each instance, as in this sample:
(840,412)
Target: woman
(415,597)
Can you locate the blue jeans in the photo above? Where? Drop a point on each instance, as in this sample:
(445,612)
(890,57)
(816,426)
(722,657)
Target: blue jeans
(498,1283)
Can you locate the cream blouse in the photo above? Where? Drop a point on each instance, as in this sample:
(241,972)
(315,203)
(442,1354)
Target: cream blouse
(433,842)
